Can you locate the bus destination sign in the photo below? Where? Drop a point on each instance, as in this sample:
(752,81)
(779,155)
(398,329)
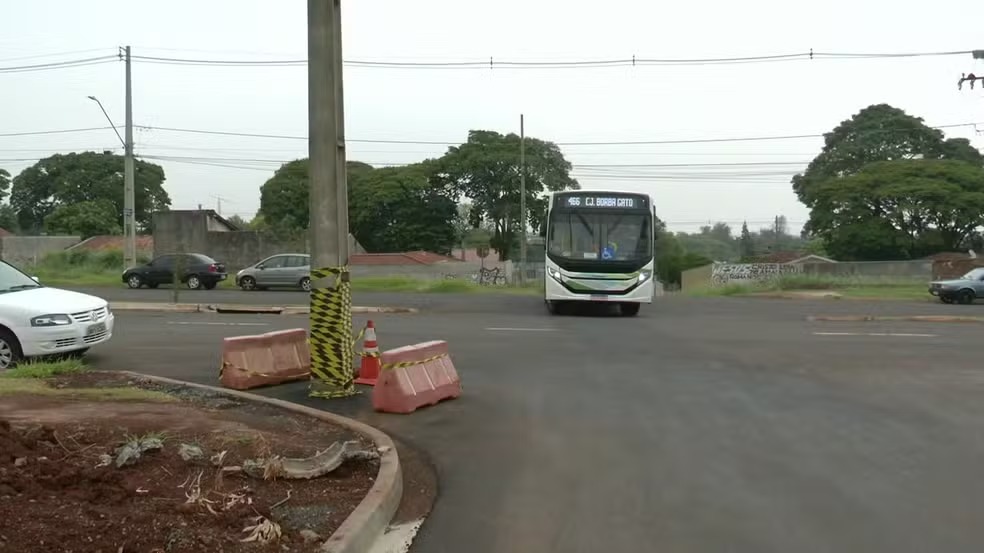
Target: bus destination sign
(600,201)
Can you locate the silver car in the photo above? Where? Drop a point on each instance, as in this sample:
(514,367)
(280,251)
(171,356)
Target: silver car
(286,270)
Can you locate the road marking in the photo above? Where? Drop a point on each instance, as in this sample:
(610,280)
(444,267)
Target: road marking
(895,334)
(215,323)
(515,329)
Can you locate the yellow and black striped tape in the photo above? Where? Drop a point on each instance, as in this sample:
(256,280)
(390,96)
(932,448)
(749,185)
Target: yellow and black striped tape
(330,339)
(402,364)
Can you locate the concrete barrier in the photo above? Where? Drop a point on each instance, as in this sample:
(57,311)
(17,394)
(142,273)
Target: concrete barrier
(415,376)
(265,359)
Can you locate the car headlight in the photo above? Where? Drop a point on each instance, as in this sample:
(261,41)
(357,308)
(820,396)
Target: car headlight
(644,276)
(54,319)
(554,274)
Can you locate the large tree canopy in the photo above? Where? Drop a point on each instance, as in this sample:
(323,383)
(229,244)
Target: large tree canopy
(66,179)
(899,209)
(400,209)
(4,183)
(85,219)
(285,197)
(486,170)
(390,209)
(877,133)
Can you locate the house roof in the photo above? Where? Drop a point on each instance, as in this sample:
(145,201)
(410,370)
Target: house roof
(108,242)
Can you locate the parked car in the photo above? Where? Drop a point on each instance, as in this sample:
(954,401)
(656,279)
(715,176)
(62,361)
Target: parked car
(198,271)
(286,270)
(38,321)
(960,290)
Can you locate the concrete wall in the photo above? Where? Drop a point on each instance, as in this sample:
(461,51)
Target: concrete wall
(696,278)
(28,250)
(721,274)
(889,270)
(188,231)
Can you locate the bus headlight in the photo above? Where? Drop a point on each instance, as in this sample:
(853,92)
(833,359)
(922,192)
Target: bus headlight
(554,274)
(644,276)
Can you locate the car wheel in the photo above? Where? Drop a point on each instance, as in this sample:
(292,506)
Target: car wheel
(10,351)
(629,309)
(194,283)
(134,281)
(306,284)
(247,283)
(965,297)
(946,299)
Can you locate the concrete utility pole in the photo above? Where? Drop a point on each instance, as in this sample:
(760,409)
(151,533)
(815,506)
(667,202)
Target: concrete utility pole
(522,199)
(971,78)
(129,200)
(331,313)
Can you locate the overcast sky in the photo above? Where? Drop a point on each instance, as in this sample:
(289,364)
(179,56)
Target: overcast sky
(609,104)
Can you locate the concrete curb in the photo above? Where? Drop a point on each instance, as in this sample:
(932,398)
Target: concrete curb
(912,318)
(797,295)
(157,307)
(372,516)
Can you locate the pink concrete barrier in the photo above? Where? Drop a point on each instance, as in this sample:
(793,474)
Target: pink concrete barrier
(415,376)
(265,359)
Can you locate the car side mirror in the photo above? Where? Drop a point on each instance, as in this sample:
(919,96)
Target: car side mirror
(261,266)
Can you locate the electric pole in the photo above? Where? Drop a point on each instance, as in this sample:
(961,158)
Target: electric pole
(522,199)
(129,207)
(331,312)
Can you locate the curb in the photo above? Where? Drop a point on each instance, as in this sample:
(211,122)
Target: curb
(912,318)
(150,307)
(372,516)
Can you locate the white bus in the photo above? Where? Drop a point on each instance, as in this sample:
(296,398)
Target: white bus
(599,248)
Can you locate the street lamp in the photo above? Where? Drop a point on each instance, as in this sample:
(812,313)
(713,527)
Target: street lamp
(129,218)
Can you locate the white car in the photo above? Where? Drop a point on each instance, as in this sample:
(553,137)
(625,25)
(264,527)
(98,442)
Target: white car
(38,321)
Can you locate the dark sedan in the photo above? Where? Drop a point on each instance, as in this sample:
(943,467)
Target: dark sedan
(196,270)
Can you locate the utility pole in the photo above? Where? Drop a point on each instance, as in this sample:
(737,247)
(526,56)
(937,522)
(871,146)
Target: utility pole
(971,78)
(331,313)
(129,207)
(522,199)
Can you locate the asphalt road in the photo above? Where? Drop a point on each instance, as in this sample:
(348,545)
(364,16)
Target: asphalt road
(717,425)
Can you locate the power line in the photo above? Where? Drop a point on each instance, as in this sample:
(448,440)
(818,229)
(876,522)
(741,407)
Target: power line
(56,54)
(599,143)
(492,63)
(59,64)
(58,131)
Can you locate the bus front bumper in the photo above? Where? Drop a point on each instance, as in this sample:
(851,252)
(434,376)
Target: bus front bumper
(555,291)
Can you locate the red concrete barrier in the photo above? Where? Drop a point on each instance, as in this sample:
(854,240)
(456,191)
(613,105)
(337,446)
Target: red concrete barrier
(415,376)
(265,359)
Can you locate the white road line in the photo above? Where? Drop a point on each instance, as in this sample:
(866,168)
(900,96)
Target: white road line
(512,329)
(215,323)
(895,334)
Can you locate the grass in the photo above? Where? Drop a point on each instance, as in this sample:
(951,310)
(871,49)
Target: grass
(44,369)
(98,269)
(456,286)
(848,287)
(30,379)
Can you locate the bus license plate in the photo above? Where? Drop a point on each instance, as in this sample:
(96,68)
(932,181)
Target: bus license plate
(599,297)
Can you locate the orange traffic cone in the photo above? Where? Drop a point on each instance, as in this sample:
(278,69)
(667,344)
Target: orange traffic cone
(369,369)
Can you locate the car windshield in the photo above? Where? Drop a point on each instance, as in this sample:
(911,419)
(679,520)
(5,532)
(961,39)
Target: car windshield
(12,280)
(975,274)
(602,236)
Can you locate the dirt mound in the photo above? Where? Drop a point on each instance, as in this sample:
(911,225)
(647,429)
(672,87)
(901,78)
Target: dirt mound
(18,444)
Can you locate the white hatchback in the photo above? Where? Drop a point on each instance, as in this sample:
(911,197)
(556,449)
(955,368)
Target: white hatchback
(38,321)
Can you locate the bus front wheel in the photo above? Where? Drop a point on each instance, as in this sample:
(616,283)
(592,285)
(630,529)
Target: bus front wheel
(554,307)
(629,309)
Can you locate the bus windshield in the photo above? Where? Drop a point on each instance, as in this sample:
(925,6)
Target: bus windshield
(602,236)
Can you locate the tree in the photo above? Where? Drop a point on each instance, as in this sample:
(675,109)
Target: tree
(8,218)
(4,183)
(66,179)
(238,220)
(672,258)
(486,170)
(899,209)
(746,244)
(285,197)
(401,209)
(86,219)
(876,133)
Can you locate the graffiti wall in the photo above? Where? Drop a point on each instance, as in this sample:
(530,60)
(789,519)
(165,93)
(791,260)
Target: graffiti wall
(744,273)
